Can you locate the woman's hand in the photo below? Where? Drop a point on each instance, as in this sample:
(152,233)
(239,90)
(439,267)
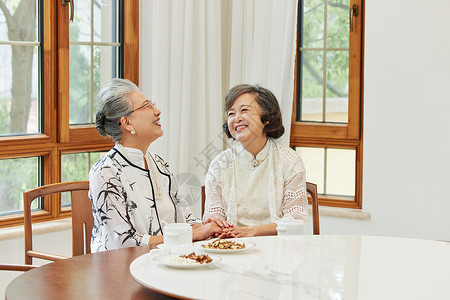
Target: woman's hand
(239,232)
(222,223)
(257,230)
(204,231)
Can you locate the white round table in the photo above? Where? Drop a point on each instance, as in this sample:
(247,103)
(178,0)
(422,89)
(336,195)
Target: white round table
(311,267)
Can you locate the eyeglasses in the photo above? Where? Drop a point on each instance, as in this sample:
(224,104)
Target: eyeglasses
(146,103)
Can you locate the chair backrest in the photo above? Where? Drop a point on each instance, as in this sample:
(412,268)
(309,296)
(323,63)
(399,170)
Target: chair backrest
(311,188)
(82,218)
(203,200)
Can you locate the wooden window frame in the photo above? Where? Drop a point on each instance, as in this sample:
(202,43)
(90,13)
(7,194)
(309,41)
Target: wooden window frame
(58,136)
(88,133)
(335,135)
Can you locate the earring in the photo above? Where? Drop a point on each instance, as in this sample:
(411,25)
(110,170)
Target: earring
(133,131)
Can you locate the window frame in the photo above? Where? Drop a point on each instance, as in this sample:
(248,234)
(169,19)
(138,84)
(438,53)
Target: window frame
(339,135)
(58,137)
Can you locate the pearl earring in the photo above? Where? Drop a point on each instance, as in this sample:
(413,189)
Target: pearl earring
(133,131)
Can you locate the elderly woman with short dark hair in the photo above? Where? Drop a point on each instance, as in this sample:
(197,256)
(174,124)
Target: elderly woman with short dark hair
(259,181)
(133,193)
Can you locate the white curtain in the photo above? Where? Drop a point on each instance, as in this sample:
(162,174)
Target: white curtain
(262,51)
(192,52)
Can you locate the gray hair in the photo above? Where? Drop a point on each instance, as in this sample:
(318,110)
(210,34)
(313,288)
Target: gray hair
(113,103)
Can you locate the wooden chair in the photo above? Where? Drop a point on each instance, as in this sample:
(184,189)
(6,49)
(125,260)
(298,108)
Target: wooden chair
(82,218)
(311,188)
(203,200)
(16,267)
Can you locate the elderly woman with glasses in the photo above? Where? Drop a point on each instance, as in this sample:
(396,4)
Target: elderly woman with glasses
(133,193)
(258,181)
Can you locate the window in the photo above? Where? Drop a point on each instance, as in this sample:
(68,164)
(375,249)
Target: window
(75,166)
(327,113)
(51,72)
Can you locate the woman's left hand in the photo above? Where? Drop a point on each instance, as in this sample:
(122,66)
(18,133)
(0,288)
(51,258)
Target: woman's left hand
(204,231)
(239,232)
(221,222)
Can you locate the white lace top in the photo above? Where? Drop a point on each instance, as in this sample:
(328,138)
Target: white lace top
(248,190)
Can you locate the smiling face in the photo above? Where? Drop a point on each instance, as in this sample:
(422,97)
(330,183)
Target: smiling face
(144,119)
(244,121)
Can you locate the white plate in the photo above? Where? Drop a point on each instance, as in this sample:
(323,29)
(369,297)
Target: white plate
(248,246)
(161,246)
(165,260)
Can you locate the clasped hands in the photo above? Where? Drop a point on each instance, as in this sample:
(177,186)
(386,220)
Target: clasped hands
(221,228)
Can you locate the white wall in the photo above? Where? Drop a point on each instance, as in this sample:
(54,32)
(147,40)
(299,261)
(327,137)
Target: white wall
(406,122)
(12,251)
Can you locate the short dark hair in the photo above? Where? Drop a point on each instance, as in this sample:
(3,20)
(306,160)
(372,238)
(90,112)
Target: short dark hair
(271,112)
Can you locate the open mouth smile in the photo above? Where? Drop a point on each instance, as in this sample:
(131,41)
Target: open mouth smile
(239,128)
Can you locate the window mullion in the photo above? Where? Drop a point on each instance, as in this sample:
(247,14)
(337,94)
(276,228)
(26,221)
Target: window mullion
(91,69)
(63,74)
(324,63)
(355,73)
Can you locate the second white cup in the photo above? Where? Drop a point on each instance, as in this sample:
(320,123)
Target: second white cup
(177,234)
(290,227)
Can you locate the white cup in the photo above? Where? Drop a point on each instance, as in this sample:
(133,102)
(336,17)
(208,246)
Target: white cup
(177,234)
(291,227)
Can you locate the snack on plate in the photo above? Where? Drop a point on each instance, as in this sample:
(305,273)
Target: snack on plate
(224,244)
(199,258)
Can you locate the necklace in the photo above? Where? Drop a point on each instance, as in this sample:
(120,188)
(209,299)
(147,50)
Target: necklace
(255,163)
(262,155)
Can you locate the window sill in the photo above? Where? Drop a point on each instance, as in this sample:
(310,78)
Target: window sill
(16,232)
(343,212)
